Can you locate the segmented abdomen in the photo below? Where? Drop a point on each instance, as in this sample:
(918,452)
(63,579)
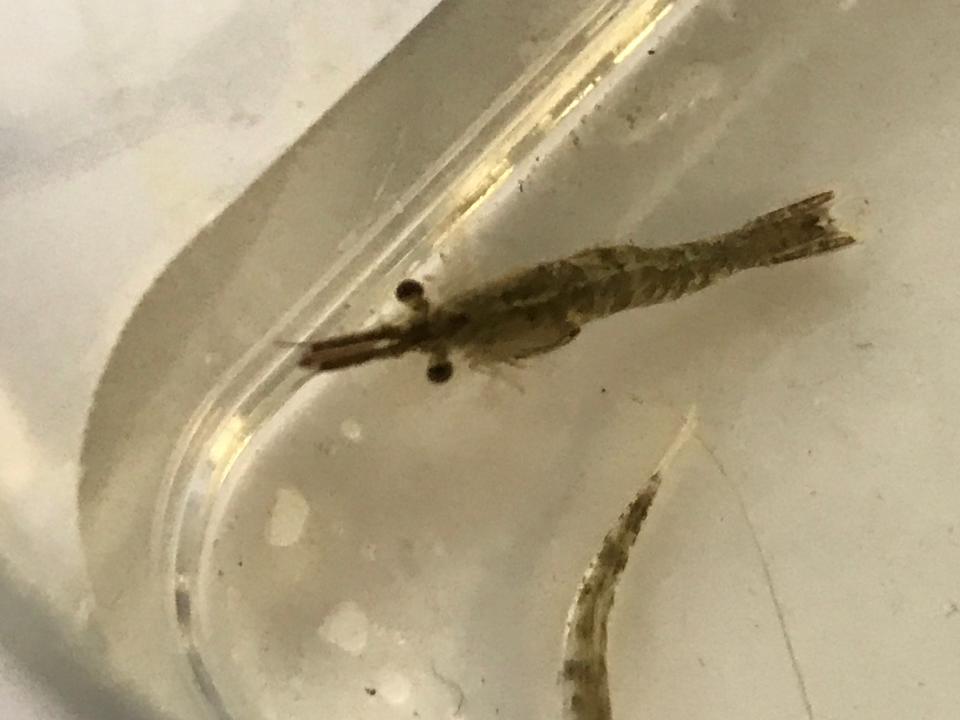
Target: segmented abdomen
(625,276)
(628,277)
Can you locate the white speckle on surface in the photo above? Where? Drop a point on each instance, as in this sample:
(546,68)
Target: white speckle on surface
(287,518)
(394,687)
(351,430)
(346,627)
(846,5)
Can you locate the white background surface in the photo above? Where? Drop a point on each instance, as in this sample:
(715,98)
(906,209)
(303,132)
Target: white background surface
(124,128)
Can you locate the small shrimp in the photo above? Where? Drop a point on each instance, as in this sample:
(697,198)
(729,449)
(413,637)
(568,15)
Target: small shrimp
(542,308)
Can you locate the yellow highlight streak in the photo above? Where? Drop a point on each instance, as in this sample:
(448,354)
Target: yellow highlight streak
(488,191)
(631,46)
(227,447)
(576,101)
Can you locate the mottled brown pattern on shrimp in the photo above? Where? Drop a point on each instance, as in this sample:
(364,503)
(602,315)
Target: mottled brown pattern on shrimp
(583,674)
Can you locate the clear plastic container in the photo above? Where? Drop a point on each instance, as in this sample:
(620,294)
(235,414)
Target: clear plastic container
(369,545)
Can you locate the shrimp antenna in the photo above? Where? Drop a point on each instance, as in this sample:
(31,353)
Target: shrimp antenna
(384,341)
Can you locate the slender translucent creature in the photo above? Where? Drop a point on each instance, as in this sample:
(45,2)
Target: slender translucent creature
(583,678)
(539,309)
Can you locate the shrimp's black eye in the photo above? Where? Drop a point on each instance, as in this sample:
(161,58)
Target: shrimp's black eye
(440,372)
(409,291)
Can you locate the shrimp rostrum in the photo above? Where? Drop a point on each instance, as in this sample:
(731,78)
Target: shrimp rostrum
(541,308)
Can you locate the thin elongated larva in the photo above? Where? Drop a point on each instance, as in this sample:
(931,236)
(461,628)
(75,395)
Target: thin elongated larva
(539,309)
(583,677)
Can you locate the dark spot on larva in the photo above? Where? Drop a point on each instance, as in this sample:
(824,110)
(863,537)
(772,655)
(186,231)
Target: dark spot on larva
(614,557)
(640,507)
(576,669)
(370,691)
(585,627)
(651,51)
